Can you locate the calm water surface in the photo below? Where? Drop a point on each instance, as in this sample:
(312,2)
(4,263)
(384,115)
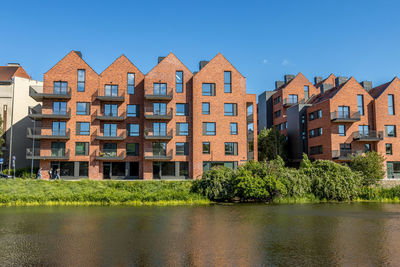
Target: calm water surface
(220,235)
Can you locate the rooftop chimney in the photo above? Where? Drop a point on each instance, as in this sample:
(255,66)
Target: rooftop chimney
(79,53)
(160,59)
(202,64)
(279,84)
(289,77)
(317,79)
(340,80)
(13,64)
(367,85)
(325,87)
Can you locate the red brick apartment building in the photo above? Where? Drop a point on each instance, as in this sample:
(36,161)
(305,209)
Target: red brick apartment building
(342,118)
(167,124)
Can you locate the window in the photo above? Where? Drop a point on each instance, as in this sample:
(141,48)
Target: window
(179,81)
(83,168)
(277,114)
(110,149)
(82,128)
(227,82)
(110,129)
(314,150)
(344,112)
(234,128)
(159,129)
(206,148)
(58,128)
(132,149)
(231,148)
(59,107)
(182,109)
(82,108)
(60,88)
(182,149)
(131,83)
(81,81)
(160,88)
(160,148)
(132,111)
(360,104)
(367,148)
(111,110)
(208,128)
(390,130)
(58,149)
(277,100)
(81,148)
(391,104)
(159,108)
(315,132)
(363,130)
(230,109)
(133,129)
(388,149)
(342,130)
(281,126)
(306,92)
(315,115)
(205,109)
(293,99)
(182,128)
(208,89)
(111,90)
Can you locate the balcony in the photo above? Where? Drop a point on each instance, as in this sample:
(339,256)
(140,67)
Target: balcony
(38,115)
(345,154)
(120,137)
(109,154)
(150,114)
(59,154)
(40,96)
(287,102)
(36,134)
(157,155)
(370,136)
(150,135)
(166,95)
(109,96)
(110,117)
(339,116)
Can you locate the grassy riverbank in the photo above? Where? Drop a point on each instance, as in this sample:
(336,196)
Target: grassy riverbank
(19,192)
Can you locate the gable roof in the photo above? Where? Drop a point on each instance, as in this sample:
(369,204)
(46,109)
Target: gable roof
(377,91)
(76,53)
(299,75)
(328,94)
(117,60)
(214,59)
(331,76)
(169,56)
(8,72)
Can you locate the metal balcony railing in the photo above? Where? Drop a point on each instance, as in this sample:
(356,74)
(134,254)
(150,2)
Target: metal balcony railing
(291,101)
(111,117)
(370,135)
(110,154)
(340,116)
(54,95)
(150,113)
(157,154)
(345,154)
(60,154)
(106,95)
(160,95)
(160,135)
(119,137)
(37,134)
(38,115)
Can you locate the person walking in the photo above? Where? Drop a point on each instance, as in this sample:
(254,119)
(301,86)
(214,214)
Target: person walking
(58,174)
(39,174)
(50,174)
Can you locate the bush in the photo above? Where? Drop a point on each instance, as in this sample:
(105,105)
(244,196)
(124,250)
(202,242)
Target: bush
(24,173)
(371,166)
(216,184)
(249,186)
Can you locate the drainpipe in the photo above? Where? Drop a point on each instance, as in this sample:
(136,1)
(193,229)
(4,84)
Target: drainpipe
(12,122)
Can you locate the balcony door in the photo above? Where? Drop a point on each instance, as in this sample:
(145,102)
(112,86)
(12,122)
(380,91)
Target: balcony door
(159,149)
(343,112)
(160,88)
(58,149)
(58,128)
(159,129)
(159,108)
(363,130)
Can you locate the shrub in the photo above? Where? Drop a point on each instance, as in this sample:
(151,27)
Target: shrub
(216,184)
(371,166)
(249,186)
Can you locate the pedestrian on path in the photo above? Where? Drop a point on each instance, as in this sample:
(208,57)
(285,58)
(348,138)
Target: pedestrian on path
(39,174)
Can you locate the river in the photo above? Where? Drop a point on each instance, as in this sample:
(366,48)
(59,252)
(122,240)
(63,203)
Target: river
(359,234)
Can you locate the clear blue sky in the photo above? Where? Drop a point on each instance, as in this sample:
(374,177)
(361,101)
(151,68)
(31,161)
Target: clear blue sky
(263,39)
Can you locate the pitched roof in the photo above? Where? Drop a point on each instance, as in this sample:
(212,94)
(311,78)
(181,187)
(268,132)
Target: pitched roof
(214,59)
(331,76)
(377,91)
(286,84)
(8,72)
(328,94)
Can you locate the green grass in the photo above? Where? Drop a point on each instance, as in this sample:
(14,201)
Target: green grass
(20,192)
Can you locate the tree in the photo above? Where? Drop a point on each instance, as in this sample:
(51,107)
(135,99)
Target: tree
(271,144)
(371,166)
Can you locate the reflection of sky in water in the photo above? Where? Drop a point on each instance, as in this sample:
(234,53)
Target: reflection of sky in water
(221,235)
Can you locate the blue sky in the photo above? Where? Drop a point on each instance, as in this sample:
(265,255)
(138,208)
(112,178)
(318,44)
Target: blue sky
(263,39)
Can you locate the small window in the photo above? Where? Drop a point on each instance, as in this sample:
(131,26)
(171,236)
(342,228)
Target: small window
(306,92)
(208,128)
(182,148)
(390,130)
(315,115)
(81,81)
(230,109)
(133,129)
(208,89)
(315,132)
(277,114)
(131,83)
(82,128)
(206,148)
(391,104)
(179,81)
(234,128)
(182,109)
(111,110)
(231,148)
(342,130)
(81,148)
(293,99)
(367,148)
(82,108)
(132,149)
(360,104)
(110,129)
(205,108)
(315,150)
(277,100)
(132,111)
(227,82)
(388,149)
(182,128)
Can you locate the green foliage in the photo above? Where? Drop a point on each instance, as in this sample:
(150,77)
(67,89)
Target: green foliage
(216,184)
(380,193)
(371,166)
(249,186)
(271,144)
(24,173)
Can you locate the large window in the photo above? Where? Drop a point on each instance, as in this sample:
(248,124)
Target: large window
(160,148)
(159,129)
(159,108)
(110,129)
(81,81)
(58,128)
(132,149)
(205,108)
(111,90)
(388,148)
(231,148)
(343,112)
(182,148)
(58,149)
(179,81)
(182,109)
(60,88)
(391,104)
(360,104)
(206,148)
(160,88)
(111,110)
(315,150)
(293,99)
(208,89)
(110,149)
(83,168)
(227,82)
(82,128)
(306,92)
(230,109)
(208,128)
(233,128)
(82,108)
(390,130)
(182,128)
(342,130)
(133,129)
(60,108)
(131,83)
(363,130)
(132,111)
(81,148)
